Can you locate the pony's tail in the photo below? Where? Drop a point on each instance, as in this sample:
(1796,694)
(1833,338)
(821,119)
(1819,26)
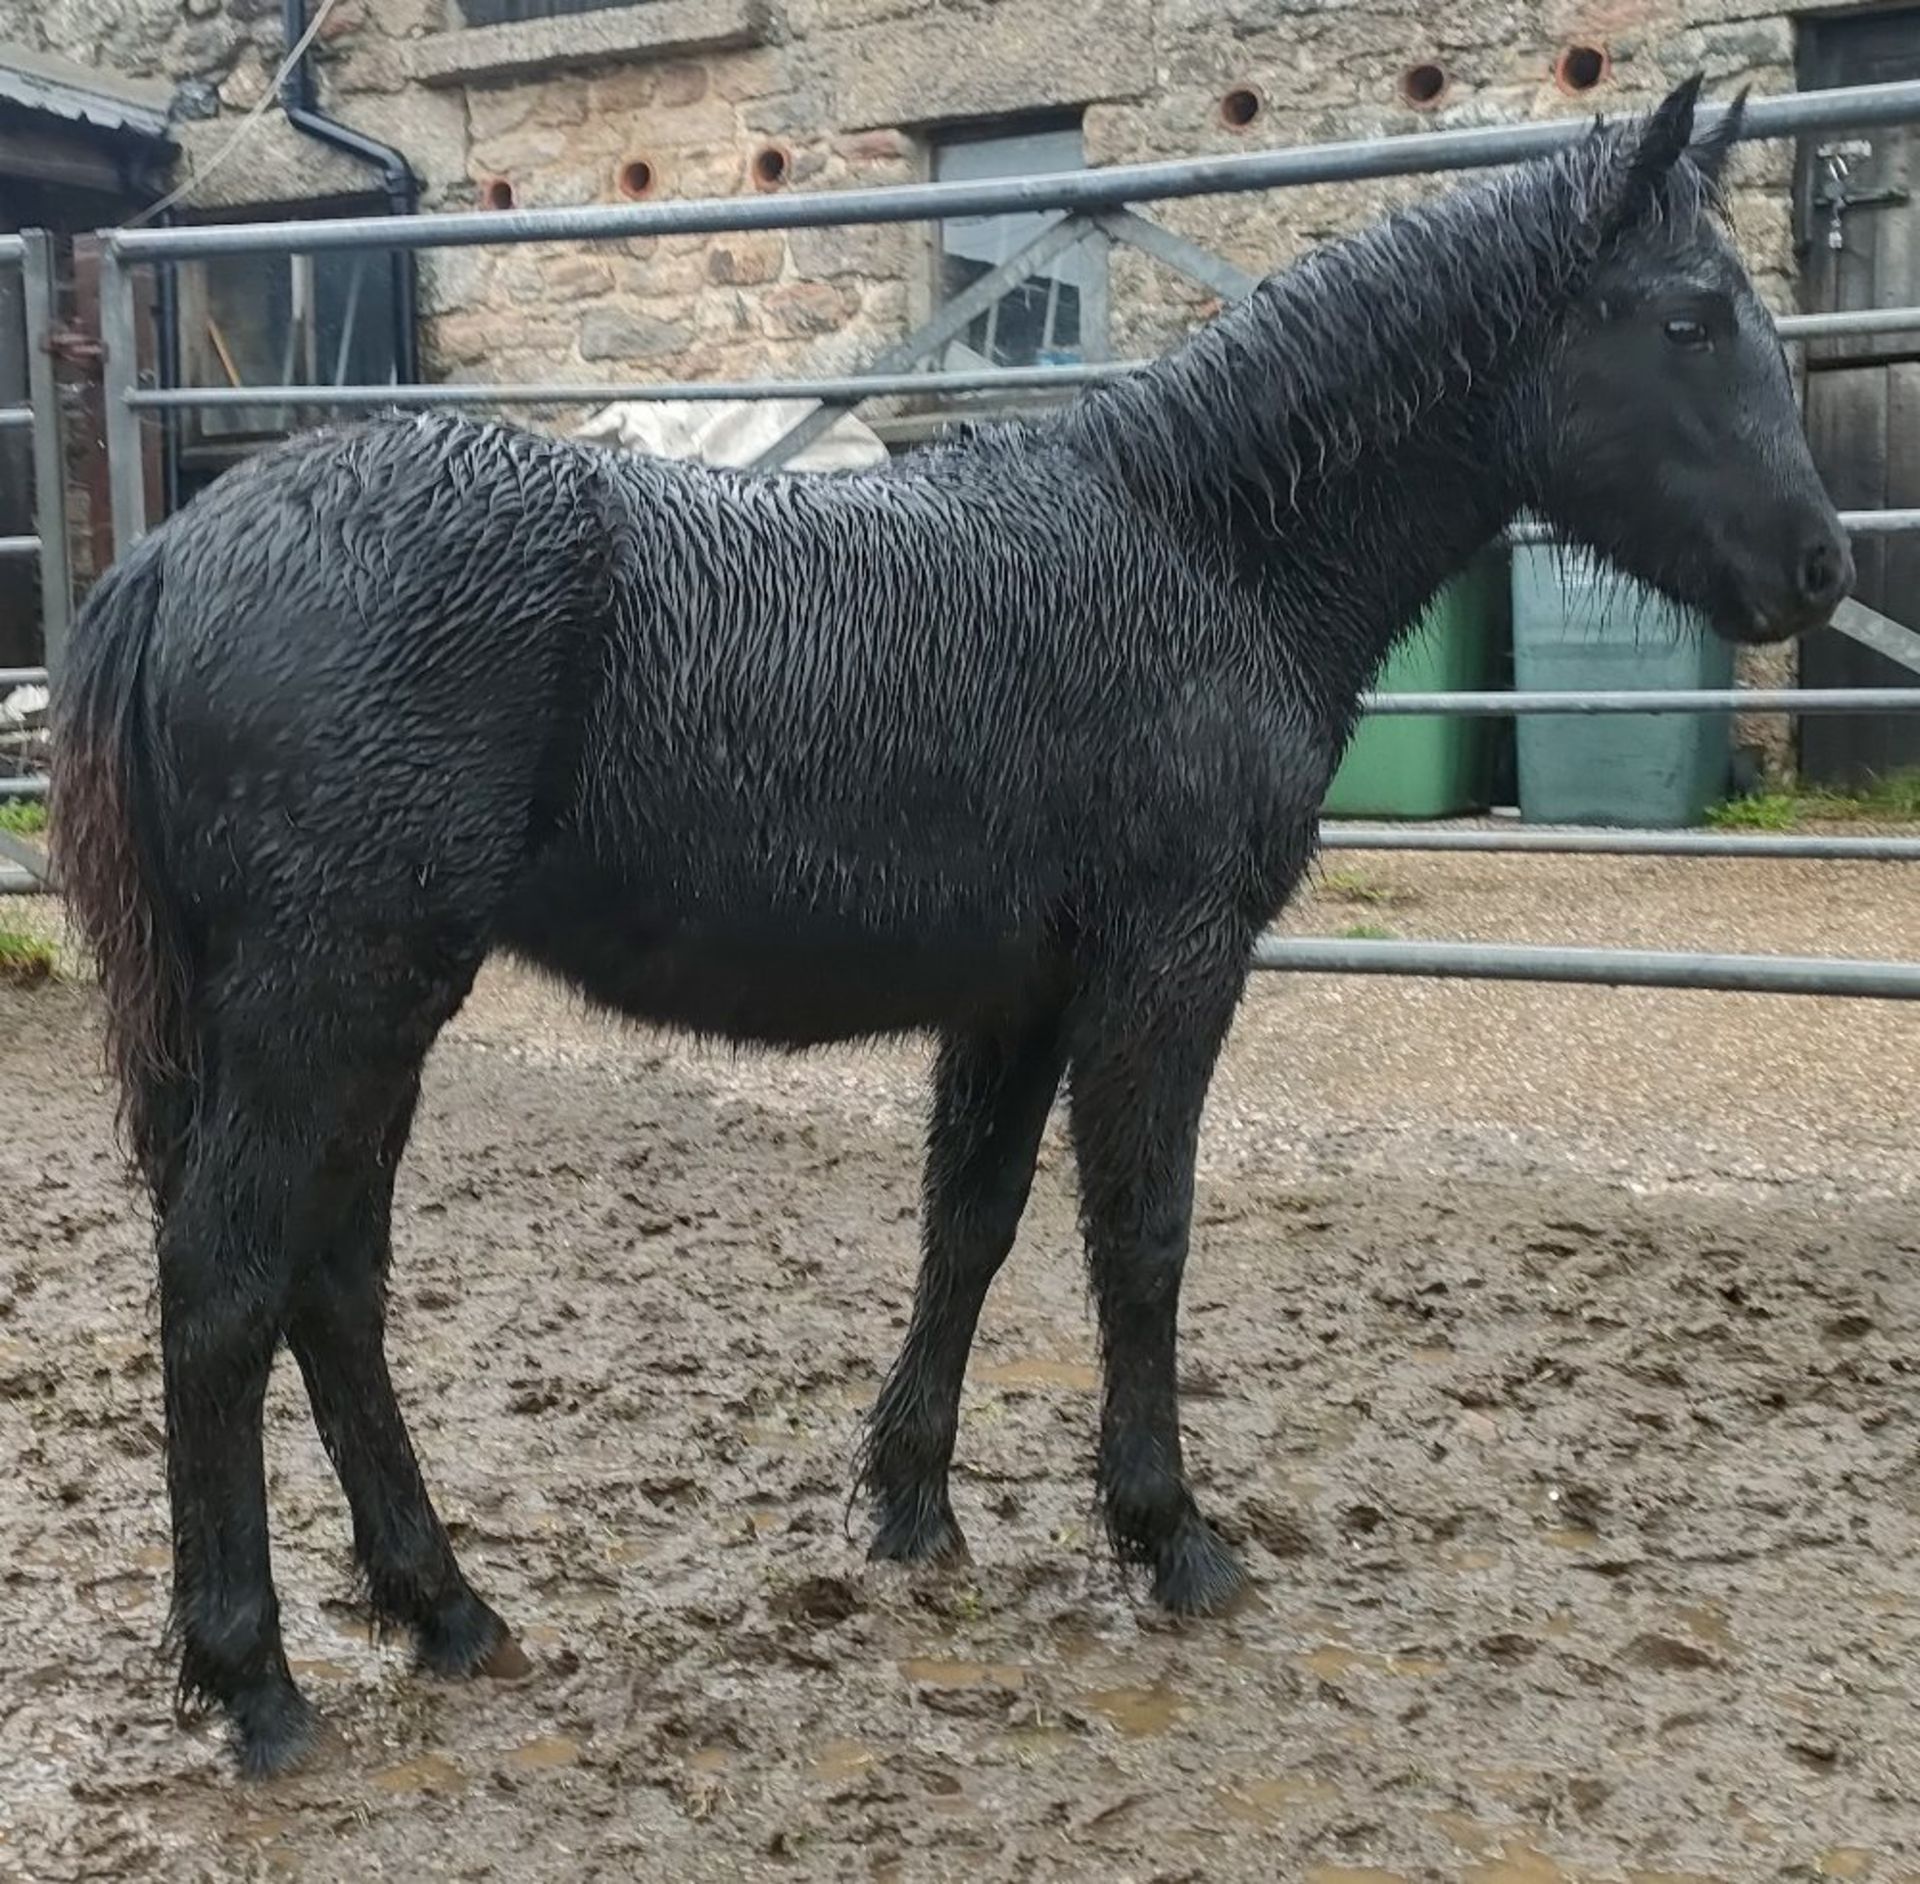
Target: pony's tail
(105,825)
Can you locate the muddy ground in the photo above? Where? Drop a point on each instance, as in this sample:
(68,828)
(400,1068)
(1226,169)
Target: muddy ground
(1555,1356)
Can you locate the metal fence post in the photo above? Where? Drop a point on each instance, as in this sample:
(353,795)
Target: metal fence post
(49,446)
(126,465)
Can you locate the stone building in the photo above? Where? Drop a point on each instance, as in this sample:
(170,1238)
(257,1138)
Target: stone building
(546,102)
(565,102)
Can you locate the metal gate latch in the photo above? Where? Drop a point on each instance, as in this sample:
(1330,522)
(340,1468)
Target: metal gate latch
(1838,160)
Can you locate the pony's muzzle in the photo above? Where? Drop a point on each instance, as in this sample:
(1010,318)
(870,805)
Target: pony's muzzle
(1782,596)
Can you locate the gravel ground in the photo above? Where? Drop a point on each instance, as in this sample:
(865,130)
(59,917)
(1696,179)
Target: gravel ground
(1550,1351)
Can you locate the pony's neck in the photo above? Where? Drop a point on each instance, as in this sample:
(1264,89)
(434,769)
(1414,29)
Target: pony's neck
(1372,541)
(1356,430)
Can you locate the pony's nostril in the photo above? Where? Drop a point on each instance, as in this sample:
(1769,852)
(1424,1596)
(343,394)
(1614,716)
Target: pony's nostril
(1825,573)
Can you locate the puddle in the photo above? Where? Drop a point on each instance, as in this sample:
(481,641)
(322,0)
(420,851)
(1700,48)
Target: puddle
(1139,1713)
(544,1754)
(1352,1874)
(1235,1653)
(842,1759)
(1846,1861)
(318,1668)
(710,1759)
(1433,1355)
(1707,1622)
(932,1672)
(1516,1864)
(429,1773)
(1333,1661)
(1672,1877)
(120,1594)
(1038,1742)
(629,1550)
(1466,1832)
(1572,1537)
(1080,1376)
(765,1521)
(773,1438)
(1469,1559)
(1262,1801)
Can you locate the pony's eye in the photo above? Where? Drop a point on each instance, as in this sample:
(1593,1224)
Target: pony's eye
(1684,333)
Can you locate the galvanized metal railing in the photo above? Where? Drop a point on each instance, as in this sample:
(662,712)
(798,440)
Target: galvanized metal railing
(32,254)
(1097,207)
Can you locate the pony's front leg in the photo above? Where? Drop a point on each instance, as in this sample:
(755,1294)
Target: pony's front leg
(1143,1050)
(991,1094)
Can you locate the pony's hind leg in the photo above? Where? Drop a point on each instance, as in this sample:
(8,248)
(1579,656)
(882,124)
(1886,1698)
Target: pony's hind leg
(1143,1049)
(275,1225)
(990,1103)
(226,1264)
(336,1327)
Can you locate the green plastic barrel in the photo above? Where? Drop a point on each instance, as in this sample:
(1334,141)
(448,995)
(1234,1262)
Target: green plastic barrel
(1421,767)
(1578,628)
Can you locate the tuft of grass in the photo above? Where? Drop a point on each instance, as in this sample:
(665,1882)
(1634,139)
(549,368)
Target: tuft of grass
(24,817)
(1892,798)
(1357,887)
(1354,886)
(1765,811)
(26,958)
(1366,932)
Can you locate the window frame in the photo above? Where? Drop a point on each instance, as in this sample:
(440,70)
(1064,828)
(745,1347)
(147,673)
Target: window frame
(1095,340)
(241,430)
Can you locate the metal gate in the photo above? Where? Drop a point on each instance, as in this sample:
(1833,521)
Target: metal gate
(23,863)
(1099,207)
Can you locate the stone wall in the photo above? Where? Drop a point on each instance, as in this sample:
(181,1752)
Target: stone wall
(560,112)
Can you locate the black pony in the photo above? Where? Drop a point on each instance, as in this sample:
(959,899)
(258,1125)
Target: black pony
(1019,742)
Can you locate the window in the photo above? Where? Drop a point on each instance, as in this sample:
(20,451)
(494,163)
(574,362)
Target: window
(505,12)
(1055,317)
(278,320)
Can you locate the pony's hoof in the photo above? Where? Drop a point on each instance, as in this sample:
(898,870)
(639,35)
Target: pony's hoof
(918,1530)
(1195,1573)
(468,1639)
(275,1730)
(508,1662)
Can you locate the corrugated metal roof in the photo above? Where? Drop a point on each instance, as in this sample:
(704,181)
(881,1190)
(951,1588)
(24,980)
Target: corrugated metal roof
(41,81)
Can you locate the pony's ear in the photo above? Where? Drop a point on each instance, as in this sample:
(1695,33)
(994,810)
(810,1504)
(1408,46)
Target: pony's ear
(1649,156)
(1709,153)
(1668,132)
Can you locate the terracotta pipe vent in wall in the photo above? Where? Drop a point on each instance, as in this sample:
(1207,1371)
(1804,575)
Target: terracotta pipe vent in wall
(1240,107)
(496,193)
(769,167)
(1423,86)
(636,178)
(1581,68)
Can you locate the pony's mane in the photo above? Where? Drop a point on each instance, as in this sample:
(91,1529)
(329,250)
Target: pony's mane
(1361,338)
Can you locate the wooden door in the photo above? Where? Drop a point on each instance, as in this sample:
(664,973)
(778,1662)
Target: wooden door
(1860,249)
